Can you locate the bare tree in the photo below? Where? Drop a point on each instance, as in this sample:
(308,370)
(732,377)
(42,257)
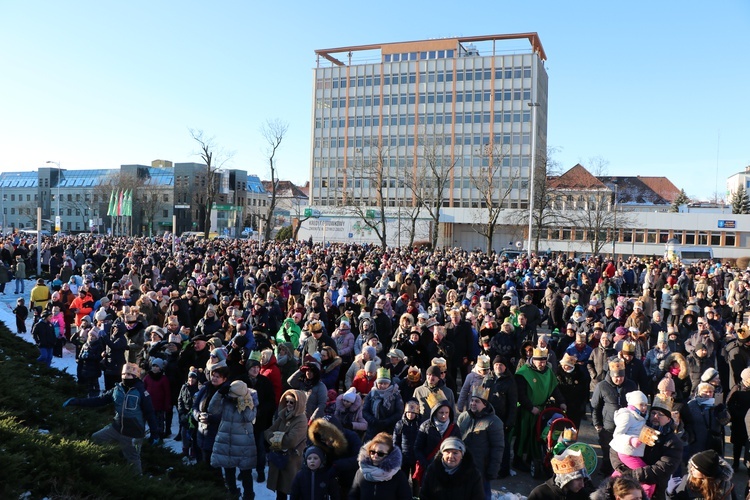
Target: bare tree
(148,200)
(214,158)
(27,211)
(596,217)
(494,190)
(373,177)
(298,212)
(428,186)
(273,132)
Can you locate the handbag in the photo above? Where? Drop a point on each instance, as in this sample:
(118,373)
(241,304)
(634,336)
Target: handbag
(278,459)
(419,468)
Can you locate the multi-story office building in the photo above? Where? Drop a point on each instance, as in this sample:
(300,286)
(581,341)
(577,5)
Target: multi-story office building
(159,191)
(383,113)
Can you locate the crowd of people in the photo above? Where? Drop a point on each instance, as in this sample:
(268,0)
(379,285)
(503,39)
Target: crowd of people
(353,371)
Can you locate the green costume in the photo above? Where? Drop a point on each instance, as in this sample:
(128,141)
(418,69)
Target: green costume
(541,385)
(289,332)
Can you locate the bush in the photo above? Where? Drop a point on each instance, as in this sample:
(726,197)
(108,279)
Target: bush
(45,450)
(742,263)
(284,233)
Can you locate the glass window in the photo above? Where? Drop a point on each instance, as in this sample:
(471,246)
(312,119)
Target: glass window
(579,235)
(663,236)
(730,239)
(448,53)
(566,234)
(627,236)
(702,238)
(651,236)
(639,235)
(689,238)
(715,239)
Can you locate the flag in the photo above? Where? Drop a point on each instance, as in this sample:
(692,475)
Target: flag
(119,202)
(111,209)
(128,208)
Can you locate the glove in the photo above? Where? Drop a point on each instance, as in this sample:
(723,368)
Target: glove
(635,442)
(68,402)
(223,390)
(155,441)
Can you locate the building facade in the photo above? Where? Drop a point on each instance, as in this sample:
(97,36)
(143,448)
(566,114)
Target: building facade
(392,117)
(81,199)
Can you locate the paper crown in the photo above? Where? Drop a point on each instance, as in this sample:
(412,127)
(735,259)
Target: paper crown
(743,333)
(315,326)
(441,362)
(661,402)
(628,347)
(569,434)
(616,365)
(540,353)
(255,356)
(569,360)
(480,392)
(570,461)
(383,373)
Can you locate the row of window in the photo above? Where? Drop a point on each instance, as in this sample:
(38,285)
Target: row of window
(30,210)
(412,56)
(394,78)
(424,98)
(446,118)
(457,202)
(655,236)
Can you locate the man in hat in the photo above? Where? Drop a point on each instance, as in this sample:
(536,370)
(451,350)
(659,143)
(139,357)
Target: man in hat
(536,383)
(738,354)
(570,481)
(573,382)
(664,457)
(453,474)
(483,434)
(609,396)
(598,361)
(580,348)
(504,400)
(317,340)
(128,428)
(433,391)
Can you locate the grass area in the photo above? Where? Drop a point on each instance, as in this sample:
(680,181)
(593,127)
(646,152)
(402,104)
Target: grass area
(45,451)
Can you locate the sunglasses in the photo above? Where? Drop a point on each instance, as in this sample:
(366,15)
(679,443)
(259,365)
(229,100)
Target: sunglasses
(381,454)
(290,402)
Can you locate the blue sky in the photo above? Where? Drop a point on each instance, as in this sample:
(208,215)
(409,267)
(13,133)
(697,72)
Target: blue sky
(654,88)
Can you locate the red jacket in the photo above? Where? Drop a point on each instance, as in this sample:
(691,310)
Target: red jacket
(159,391)
(84,305)
(361,383)
(273,373)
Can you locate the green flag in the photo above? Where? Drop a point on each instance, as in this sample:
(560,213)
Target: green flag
(128,209)
(111,209)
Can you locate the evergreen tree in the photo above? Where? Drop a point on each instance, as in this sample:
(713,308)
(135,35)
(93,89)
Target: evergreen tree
(740,201)
(681,199)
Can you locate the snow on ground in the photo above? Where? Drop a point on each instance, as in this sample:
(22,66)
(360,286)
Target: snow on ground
(68,364)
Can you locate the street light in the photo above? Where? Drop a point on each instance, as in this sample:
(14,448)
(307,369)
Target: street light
(614,239)
(59,178)
(533,105)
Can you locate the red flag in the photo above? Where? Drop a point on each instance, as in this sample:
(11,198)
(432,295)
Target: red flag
(119,203)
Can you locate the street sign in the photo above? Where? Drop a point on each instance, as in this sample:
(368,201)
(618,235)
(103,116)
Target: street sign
(57,223)
(727,224)
(370,214)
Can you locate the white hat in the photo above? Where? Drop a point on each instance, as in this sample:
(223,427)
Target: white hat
(636,398)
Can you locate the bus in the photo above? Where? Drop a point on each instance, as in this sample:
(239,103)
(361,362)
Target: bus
(687,254)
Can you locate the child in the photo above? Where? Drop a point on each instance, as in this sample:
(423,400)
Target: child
(89,359)
(405,438)
(628,424)
(21,312)
(187,425)
(157,385)
(58,323)
(313,481)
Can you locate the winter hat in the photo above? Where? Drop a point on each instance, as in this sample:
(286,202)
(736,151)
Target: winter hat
(174,338)
(158,362)
(667,384)
(131,369)
(314,450)
(220,354)
(371,351)
(371,367)
(709,375)
(350,395)
(434,370)
(636,398)
(215,342)
(453,443)
(707,463)
(100,315)
(240,340)
(193,373)
(745,376)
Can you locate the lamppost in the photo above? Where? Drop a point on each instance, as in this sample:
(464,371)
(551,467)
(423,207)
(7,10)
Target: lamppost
(614,238)
(532,171)
(59,178)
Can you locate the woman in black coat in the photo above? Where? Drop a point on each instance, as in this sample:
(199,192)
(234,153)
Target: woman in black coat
(380,475)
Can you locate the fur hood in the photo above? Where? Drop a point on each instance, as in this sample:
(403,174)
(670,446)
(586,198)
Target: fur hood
(328,437)
(676,356)
(389,463)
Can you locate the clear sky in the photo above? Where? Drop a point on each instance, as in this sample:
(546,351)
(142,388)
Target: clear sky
(654,88)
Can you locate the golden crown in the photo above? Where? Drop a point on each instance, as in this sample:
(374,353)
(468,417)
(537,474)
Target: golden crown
(616,365)
(480,392)
(663,402)
(570,434)
(540,353)
(570,461)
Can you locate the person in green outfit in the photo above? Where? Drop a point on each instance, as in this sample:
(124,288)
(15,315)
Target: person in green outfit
(536,384)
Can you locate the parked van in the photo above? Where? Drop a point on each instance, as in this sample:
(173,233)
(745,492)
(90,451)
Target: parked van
(687,254)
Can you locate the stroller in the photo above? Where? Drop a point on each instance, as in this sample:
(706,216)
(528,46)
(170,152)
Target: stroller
(550,425)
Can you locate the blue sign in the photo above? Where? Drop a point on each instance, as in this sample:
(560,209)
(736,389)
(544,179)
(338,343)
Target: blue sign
(351,235)
(727,224)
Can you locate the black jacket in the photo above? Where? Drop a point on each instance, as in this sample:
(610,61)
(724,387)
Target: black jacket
(395,488)
(550,491)
(44,334)
(504,397)
(464,484)
(607,399)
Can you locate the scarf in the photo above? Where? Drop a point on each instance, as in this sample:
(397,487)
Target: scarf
(376,474)
(383,398)
(441,426)
(450,470)
(705,401)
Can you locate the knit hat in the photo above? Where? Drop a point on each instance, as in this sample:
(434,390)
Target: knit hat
(707,463)
(709,375)
(158,362)
(667,384)
(384,375)
(101,314)
(314,450)
(220,354)
(215,342)
(371,351)
(453,443)
(396,353)
(350,395)
(240,340)
(131,369)
(370,367)
(636,398)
